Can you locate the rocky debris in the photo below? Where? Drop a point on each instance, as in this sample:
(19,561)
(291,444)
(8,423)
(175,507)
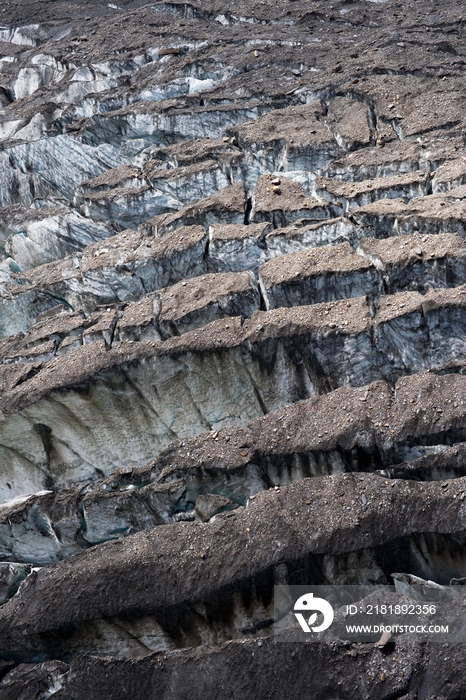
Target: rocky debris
(80,284)
(227,206)
(277,529)
(108,274)
(365,427)
(405,583)
(235,247)
(317,275)
(281,201)
(437,213)
(449,176)
(418,261)
(188,183)
(83,284)
(232,339)
(52,329)
(209,505)
(138,321)
(124,176)
(350,121)
(99,197)
(368,429)
(155,192)
(443,463)
(302,235)
(186,153)
(101,327)
(415,262)
(412,112)
(332,667)
(197,302)
(173,310)
(125,267)
(394,158)
(127,206)
(289,139)
(357,194)
(146,122)
(253,367)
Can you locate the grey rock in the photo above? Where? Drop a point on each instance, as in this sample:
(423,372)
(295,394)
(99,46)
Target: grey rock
(235,247)
(11,576)
(357,194)
(317,275)
(284,203)
(439,213)
(232,342)
(419,262)
(44,680)
(210,504)
(302,235)
(81,601)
